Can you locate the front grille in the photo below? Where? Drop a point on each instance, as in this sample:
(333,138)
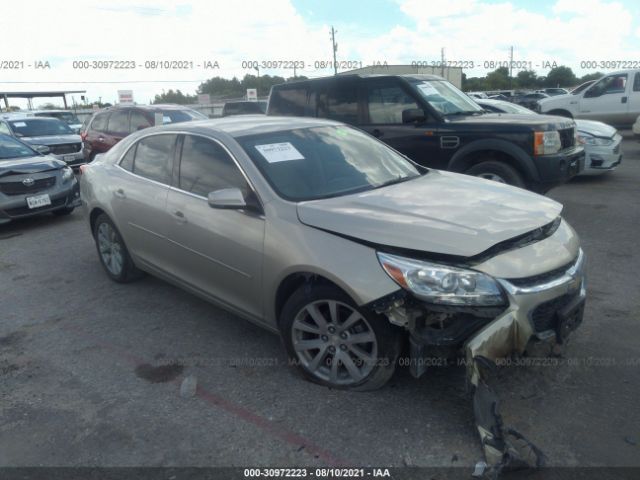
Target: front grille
(567,138)
(65,148)
(544,315)
(16,212)
(19,188)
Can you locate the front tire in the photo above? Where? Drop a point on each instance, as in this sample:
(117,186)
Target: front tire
(112,251)
(335,343)
(498,172)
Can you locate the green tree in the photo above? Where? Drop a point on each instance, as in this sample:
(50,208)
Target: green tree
(560,77)
(498,79)
(174,97)
(590,76)
(526,79)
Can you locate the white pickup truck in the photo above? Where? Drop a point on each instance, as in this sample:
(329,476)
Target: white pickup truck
(614,99)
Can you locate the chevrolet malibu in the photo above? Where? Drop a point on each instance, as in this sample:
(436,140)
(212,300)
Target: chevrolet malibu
(347,249)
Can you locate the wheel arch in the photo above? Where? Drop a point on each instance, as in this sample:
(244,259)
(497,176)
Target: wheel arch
(93,216)
(559,112)
(500,150)
(294,281)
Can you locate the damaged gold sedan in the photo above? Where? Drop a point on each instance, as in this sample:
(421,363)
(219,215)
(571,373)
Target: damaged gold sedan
(347,249)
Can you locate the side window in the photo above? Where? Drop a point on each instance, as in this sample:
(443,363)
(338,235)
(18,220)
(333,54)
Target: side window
(100,122)
(154,158)
(386,103)
(138,121)
(119,122)
(298,102)
(339,102)
(127,160)
(636,82)
(610,84)
(205,166)
(4,129)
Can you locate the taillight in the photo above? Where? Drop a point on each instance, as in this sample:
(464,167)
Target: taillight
(83,136)
(83,168)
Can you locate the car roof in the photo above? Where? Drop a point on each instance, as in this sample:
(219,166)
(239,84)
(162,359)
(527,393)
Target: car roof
(239,126)
(413,76)
(32,118)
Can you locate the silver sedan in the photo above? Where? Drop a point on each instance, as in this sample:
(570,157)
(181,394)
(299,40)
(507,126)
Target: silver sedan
(318,231)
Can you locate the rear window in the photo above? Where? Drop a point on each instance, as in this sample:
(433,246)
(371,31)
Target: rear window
(100,122)
(296,102)
(176,116)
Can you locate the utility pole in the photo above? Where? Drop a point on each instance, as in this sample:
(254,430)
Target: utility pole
(510,67)
(334,45)
(257,68)
(442,62)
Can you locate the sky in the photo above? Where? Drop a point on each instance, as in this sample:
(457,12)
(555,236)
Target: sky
(223,35)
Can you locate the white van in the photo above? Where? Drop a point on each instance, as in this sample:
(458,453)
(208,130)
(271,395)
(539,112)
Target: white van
(614,99)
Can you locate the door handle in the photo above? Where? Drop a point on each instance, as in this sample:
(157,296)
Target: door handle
(623,99)
(120,193)
(180,216)
(377,133)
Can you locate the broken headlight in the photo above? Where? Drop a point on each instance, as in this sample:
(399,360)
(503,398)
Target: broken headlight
(442,284)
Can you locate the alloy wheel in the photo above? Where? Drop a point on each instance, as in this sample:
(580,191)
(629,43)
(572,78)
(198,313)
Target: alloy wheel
(334,342)
(110,249)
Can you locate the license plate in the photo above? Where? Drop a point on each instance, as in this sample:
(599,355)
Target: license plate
(38,201)
(69,158)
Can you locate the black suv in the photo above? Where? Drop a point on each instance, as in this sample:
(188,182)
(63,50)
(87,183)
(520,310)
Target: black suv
(108,126)
(436,125)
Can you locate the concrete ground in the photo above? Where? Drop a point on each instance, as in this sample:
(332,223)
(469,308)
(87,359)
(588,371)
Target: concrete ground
(90,371)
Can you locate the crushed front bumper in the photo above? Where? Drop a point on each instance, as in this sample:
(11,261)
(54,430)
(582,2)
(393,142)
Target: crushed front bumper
(542,310)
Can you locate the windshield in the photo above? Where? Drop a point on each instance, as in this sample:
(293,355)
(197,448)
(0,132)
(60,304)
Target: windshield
(40,127)
(321,162)
(67,117)
(446,98)
(11,148)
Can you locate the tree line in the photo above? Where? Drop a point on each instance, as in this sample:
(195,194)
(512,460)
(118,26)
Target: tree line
(221,89)
(526,79)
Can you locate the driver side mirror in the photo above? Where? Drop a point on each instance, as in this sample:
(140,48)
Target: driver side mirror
(413,115)
(227,198)
(592,93)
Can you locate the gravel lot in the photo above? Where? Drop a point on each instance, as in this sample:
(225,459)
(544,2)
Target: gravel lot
(84,375)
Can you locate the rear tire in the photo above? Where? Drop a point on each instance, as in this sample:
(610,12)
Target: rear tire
(112,252)
(498,172)
(335,343)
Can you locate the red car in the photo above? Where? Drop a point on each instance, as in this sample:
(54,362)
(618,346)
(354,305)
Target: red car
(107,127)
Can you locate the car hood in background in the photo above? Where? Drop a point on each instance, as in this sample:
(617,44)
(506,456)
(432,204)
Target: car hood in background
(29,165)
(441,212)
(52,139)
(537,122)
(597,129)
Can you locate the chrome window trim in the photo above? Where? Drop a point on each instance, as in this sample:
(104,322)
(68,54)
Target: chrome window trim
(171,187)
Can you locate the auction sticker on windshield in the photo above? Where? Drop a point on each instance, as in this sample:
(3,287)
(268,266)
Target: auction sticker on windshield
(38,201)
(427,88)
(279,152)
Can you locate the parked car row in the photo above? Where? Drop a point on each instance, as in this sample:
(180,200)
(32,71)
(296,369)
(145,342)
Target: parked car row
(601,142)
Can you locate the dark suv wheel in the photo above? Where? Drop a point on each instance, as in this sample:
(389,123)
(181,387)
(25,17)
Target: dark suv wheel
(498,172)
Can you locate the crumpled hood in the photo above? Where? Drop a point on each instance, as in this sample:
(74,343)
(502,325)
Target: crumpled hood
(52,139)
(440,212)
(30,165)
(597,129)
